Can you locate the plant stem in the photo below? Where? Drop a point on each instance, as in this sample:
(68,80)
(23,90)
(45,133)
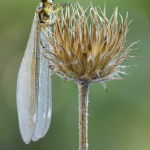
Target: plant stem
(83,89)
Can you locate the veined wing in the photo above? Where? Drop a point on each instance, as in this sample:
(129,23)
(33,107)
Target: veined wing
(45,93)
(26,87)
(34,99)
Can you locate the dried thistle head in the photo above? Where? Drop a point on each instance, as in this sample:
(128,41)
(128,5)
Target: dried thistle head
(83,53)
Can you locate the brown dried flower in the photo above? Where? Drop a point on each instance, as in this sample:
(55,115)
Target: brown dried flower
(88,54)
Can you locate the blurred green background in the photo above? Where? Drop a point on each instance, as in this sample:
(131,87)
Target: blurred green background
(119,120)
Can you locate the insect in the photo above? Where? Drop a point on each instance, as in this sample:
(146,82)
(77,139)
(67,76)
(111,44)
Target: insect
(34,85)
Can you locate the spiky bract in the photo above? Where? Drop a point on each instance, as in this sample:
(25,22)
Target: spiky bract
(85,53)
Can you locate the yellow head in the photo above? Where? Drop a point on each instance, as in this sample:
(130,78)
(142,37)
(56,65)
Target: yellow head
(47,6)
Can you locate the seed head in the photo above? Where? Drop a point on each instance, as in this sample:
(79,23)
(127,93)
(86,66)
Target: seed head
(83,53)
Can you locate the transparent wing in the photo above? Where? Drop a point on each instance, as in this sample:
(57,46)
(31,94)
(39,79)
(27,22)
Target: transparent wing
(34,96)
(26,87)
(45,95)
(49,103)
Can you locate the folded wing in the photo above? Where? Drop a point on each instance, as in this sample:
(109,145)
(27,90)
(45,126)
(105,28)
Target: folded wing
(34,96)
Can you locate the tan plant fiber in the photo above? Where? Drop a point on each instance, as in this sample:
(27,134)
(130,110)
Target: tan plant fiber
(84,53)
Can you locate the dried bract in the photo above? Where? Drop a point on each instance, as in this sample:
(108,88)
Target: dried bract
(83,53)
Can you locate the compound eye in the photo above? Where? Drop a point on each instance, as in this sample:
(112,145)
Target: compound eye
(44,1)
